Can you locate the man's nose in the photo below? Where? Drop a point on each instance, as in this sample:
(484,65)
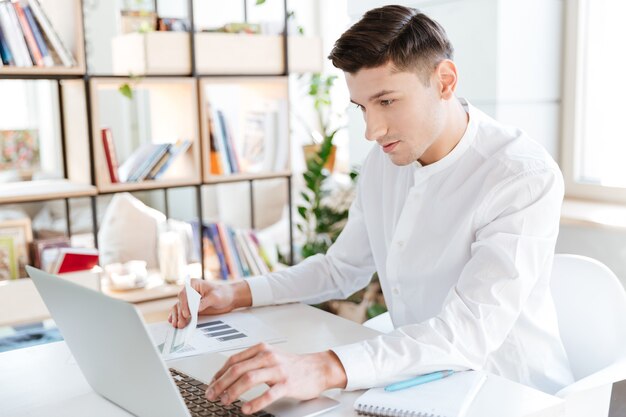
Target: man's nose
(375,126)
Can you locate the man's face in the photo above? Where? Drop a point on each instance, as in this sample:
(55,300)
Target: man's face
(401,114)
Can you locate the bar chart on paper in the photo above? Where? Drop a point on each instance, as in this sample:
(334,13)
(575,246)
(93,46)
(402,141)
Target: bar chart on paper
(215,334)
(220,331)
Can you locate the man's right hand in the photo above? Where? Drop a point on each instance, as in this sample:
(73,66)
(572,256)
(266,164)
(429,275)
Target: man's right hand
(214,299)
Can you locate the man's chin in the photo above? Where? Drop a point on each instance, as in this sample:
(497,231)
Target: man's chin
(401,160)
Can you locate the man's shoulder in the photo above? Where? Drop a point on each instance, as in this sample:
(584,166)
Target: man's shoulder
(510,151)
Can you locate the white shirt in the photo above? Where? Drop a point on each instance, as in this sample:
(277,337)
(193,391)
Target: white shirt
(463,248)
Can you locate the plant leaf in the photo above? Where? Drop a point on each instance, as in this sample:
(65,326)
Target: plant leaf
(126,91)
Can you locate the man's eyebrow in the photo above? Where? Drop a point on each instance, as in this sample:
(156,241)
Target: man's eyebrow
(380,94)
(375,96)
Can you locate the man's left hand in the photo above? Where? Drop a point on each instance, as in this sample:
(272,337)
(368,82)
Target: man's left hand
(301,377)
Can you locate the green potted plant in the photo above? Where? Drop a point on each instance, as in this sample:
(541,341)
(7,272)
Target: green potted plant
(319,91)
(320,222)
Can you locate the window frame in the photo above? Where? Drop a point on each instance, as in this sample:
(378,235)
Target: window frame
(571,118)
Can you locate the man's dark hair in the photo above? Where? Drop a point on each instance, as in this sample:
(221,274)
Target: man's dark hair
(407,38)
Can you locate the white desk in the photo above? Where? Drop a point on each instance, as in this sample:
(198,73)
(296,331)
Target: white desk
(46,381)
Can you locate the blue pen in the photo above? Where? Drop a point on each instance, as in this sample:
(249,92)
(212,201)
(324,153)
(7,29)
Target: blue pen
(422,379)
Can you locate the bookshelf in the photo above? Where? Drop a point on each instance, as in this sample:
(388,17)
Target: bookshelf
(178,88)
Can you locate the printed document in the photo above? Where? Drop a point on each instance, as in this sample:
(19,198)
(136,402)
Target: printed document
(235,330)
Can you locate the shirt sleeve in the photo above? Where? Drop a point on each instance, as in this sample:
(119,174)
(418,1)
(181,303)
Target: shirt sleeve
(516,231)
(346,268)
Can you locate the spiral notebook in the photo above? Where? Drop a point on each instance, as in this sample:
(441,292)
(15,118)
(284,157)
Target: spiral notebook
(447,397)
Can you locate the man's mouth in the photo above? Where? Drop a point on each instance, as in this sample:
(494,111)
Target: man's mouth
(390,146)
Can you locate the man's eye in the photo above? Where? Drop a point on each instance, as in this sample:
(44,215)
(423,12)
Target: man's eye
(386,103)
(359,107)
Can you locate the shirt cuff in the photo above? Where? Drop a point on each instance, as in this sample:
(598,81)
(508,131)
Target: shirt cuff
(358,365)
(260,290)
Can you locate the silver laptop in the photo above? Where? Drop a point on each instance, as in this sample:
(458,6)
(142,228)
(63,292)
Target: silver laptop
(113,349)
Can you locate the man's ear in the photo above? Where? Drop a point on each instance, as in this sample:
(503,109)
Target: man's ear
(446,77)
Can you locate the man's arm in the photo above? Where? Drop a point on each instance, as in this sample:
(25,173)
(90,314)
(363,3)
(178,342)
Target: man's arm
(346,268)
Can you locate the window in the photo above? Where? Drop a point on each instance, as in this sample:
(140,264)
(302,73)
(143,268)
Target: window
(594,100)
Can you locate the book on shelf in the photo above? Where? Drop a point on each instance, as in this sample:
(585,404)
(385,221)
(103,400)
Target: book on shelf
(65,56)
(44,251)
(110,154)
(157,152)
(151,161)
(173,151)
(27,38)
(75,259)
(231,253)
(219,142)
(15,40)
(6,58)
(213,235)
(229,142)
(262,144)
(39,38)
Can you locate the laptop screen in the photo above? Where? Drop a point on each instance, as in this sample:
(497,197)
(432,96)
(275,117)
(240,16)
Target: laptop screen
(618,400)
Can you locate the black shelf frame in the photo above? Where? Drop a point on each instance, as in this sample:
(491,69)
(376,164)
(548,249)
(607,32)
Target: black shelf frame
(87,77)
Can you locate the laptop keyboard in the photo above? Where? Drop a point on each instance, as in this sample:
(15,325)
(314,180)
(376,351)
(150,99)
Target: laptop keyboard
(193,391)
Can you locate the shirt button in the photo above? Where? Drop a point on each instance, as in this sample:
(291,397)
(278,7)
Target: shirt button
(395,291)
(400,243)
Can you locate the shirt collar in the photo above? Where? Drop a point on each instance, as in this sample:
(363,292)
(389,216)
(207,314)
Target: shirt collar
(423,172)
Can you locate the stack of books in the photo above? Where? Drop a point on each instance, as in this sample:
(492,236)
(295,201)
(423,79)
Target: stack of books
(27,37)
(232,253)
(57,256)
(149,162)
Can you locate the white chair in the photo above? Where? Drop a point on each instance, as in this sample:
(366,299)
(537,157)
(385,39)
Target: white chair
(591,308)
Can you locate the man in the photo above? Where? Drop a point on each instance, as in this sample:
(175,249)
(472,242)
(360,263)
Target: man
(458,215)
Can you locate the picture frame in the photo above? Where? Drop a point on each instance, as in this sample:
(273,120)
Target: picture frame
(21,233)
(20,152)
(9,266)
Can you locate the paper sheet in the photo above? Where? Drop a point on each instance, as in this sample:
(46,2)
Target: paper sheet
(234,330)
(176,339)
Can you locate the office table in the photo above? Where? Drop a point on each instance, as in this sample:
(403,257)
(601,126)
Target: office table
(46,381)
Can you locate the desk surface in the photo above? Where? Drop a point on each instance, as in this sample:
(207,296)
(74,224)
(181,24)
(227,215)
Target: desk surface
(46,381)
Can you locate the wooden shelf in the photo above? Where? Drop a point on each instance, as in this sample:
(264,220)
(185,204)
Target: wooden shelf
(145,185)
(41,71)
(219,179)
(22,192)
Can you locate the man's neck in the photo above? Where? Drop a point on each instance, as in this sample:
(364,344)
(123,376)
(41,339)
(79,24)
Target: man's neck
(454,130)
